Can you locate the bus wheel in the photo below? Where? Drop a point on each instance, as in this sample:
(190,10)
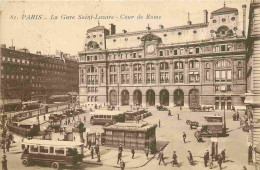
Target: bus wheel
(55,165)
(25,162)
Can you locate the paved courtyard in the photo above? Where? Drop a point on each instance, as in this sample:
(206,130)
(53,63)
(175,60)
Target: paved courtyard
(170,132)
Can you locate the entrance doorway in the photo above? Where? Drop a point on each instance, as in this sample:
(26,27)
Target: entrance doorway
(137,97)
(164,97)
(178,97)
(124,98)
(113,97)
(150,98)
(194,98)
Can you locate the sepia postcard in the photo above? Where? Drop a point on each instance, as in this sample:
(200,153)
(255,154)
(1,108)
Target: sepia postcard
(138,84)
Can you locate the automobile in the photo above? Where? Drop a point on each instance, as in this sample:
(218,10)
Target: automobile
(57,154)
(80,110)
(106,118)
(71,113)
(56,116)
(161,108)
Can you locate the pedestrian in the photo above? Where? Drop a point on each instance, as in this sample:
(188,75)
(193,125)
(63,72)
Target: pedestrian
(97,148)
(211,161)
(8,146)
(159,123)
(190,158)
(237,115)
(206,158)
(250,154)
(180,107)
(146,152)
(220,162)
(178,116)
(223,155)
(98,157)
(119,155)
(174,159)
(169,113)
(89,144)
(85,119)
(122,165)
(184,137)
(120,148)
(92,152)
(161,158)
(44,117)
(133,153)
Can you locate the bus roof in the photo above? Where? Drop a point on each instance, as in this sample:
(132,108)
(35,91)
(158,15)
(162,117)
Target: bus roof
(106,112)
(52,143)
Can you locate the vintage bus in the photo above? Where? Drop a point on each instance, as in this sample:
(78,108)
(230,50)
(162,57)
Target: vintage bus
(106,118)
(55,153)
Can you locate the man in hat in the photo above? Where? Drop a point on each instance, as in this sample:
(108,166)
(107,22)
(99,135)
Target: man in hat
(190,157)
(161,157)
(223,155)
(119,155)
(133,152)
(206,158)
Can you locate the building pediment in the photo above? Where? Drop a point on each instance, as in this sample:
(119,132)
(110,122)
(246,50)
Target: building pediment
(150,37)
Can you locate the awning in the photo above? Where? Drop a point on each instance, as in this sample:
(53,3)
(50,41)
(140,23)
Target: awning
(10,101)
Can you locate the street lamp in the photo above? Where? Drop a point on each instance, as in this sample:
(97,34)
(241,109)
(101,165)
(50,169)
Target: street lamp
(225,127)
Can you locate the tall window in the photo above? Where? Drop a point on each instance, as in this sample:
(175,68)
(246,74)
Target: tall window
(150,73)
(137,74)
(178,65)
(113,74)
(164,72)
(239,74)
(82,76)
(223,71)
(92,76)
(194,64)
(124,74)
(207,74)
(178,73)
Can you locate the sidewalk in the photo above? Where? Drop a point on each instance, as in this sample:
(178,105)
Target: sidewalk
(109,157)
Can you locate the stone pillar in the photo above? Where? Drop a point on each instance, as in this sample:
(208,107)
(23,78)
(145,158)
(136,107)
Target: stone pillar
(157,73)
(171,72)
(171,101)
(143,73)
(144,99)
(157,98)
(131,98)
(186,71)
(99,75)
(131,73)
(118,73)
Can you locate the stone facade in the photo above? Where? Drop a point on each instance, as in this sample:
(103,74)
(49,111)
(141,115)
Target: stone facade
(190,65)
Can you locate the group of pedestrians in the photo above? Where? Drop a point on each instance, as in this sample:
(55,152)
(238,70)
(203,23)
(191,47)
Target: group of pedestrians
(170,114)
(210,159)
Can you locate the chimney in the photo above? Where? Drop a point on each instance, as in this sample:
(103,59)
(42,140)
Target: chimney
(112,29)
(189,22)
(244,19)
(161,26)
(3,45)
(38,53)
(124,31)
(205,16)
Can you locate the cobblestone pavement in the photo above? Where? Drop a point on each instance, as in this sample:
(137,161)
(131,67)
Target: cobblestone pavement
(170,131)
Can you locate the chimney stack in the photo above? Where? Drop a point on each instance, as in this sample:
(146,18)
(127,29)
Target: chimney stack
(244,19)
(161,26)
(12,48)
(112,29)
(189,22)
(205,16)
(38,53)
(124,31)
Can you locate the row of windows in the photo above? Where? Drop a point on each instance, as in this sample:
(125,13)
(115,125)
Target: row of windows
(92,89)
(16,60)
(92,99)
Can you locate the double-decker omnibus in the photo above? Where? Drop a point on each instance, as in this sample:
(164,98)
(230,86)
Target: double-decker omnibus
(55,153)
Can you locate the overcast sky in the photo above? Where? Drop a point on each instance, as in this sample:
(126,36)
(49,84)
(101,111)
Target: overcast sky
(45,34)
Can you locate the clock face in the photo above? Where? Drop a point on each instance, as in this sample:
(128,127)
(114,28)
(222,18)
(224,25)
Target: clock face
(150,48)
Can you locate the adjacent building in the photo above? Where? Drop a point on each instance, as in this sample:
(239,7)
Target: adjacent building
(26,76)
(252,99)
(189,65)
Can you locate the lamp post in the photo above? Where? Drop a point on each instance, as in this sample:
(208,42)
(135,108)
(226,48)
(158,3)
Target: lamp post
(225,127)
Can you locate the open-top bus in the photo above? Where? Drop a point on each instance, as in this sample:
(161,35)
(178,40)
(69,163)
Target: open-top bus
(55,153)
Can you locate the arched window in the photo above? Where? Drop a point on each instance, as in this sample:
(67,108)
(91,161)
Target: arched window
(150,73)
(137,73)
(194,64)
(194,76)
(223,71)
(164,72)
(178,65)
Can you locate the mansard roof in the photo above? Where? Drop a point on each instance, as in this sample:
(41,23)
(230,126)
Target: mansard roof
(96,28)
(225,10)
(150,37)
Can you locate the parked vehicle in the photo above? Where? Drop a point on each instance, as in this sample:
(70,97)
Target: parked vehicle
(161,108)
(56,116)
(203,108)
(212,126)
(106,118)
(55,153)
